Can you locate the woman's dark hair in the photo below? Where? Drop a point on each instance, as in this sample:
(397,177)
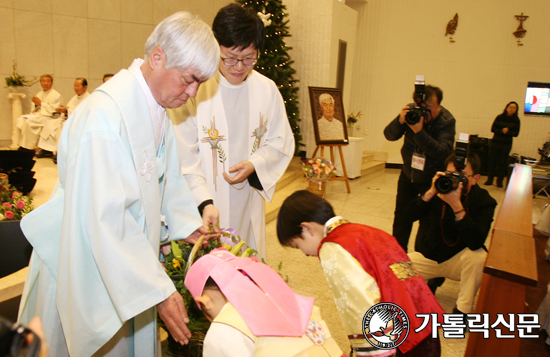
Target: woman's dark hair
(301,206)
(235,26)
(515,115)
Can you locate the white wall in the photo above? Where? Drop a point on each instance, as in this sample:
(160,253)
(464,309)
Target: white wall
(316,27)
(78,38)
(479,73)
(389,43)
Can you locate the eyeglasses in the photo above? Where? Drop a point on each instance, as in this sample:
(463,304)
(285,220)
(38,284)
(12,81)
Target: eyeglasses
(233,61)
(452,172)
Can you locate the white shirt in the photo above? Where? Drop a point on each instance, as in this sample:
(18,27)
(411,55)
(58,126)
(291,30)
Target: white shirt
(330,130)
(75,101)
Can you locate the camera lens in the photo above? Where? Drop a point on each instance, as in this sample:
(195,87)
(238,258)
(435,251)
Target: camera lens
(447,183)
(413,116)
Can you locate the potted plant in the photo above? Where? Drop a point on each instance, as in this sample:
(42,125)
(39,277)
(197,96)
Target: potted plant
(318,171)
(16,80)
(352,119)
(16,250)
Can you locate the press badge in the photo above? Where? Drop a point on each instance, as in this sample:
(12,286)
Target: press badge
(418,161)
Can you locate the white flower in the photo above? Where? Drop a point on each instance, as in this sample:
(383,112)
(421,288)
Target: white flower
(147,168)
(330,265)
(347,284)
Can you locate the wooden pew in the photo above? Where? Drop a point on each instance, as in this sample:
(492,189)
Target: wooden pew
(12,285)
(510,267)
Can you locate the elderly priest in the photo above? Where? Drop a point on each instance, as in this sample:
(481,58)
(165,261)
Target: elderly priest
(95,278)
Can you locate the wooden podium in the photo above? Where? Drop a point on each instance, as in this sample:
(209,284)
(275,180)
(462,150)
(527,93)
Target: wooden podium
(331,146)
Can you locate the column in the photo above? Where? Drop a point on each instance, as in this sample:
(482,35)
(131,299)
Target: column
(16,111)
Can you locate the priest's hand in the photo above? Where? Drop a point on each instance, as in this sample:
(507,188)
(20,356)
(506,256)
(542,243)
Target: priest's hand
(172,311)
(194,237)
(211,218)
(36,101)
(35,325)
(62,109)
(243,170)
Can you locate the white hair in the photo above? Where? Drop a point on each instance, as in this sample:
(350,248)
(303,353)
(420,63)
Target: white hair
(324,97)
(187,41)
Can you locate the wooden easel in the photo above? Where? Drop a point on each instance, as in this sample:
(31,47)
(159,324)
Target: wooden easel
(331,146)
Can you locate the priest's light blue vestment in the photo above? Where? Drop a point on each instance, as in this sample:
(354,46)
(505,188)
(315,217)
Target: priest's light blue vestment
(95,266)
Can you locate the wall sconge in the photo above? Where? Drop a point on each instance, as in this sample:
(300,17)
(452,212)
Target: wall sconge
(520,31)
(451,27)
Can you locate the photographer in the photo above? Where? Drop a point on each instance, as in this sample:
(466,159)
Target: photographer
(427,143)
(452,232)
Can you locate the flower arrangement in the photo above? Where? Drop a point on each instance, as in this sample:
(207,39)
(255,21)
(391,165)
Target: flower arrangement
(178,258)
(15,80)
(318,170)
(14,205)
(354,118)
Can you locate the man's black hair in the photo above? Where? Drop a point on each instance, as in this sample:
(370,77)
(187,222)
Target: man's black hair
(84,81)
(235,26)
(472,159)
(432,90)
(301,206)
(48,76)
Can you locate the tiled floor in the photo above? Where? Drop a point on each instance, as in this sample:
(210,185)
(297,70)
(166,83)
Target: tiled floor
(371,202)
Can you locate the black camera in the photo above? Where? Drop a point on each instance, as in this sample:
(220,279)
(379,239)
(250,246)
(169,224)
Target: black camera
(13,341)
(450,181)
(418,109)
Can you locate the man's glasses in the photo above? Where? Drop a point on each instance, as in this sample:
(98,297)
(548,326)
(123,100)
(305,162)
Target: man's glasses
(233,61)
(452,172)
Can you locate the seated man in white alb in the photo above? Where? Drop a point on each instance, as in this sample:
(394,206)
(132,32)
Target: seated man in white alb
(330,128)
(49,136)
(28,127)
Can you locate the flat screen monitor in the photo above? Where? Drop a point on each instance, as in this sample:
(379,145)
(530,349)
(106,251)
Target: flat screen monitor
(537,98)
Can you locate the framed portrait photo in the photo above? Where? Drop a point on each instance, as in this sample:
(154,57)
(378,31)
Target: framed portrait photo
(329,119)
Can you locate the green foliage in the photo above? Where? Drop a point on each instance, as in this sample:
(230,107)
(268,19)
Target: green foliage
(354,118)
(177,255)
(15,80)
(275,62)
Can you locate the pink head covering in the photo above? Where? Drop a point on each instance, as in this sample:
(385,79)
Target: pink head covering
(263,299)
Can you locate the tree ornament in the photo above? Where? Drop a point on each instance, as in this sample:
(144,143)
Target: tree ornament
(265,18)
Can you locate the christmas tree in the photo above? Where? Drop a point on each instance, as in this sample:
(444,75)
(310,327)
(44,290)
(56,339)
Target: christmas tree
(275,62)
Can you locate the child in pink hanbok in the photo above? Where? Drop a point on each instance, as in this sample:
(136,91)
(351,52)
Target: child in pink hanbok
(254,312)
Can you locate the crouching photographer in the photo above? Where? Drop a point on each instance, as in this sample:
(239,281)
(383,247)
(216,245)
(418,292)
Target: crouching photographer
(455,217)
